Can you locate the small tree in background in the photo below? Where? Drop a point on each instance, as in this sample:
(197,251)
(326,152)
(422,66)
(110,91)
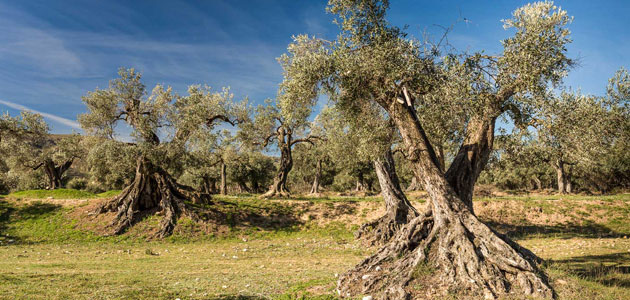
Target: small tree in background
(285,129)
(52,154)
(575,131)
(16,136)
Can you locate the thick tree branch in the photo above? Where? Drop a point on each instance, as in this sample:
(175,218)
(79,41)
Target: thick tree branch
(309,139)
(223,118)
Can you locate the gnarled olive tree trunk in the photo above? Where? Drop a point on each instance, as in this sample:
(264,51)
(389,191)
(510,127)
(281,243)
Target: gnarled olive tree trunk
(152,190)
(398,210)
(54,172)
(563,177)
(318,175)
(447,247)
(209,185)
(279,186)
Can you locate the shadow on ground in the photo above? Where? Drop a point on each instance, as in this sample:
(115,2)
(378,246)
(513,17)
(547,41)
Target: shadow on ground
(608,269)
(10,212)
(588,230)
(267,215)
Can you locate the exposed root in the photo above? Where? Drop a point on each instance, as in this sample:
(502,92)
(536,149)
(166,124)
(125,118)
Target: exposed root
(278,193)
(461,255)
(383,229)
(153,192)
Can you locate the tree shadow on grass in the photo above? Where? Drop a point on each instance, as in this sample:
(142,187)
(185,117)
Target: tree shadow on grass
(608,269)
(10,212)
(571,230)
(265,215)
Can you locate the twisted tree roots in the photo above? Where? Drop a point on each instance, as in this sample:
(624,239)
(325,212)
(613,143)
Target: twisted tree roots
(458,254)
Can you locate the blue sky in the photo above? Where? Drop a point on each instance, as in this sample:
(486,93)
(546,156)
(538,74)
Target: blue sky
(54,52)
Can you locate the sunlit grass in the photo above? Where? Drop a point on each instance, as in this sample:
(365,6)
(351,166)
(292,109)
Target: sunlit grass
(44,254)
(61,194)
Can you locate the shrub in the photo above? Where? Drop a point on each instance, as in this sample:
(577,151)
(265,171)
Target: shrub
(77,183)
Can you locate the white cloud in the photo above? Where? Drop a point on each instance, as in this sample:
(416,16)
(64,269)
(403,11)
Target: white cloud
(58,119)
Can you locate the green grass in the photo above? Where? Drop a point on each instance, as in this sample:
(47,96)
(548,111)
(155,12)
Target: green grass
(45,255)
(61,194)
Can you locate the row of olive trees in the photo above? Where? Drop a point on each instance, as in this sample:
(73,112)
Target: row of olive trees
(575,142)
(388,94)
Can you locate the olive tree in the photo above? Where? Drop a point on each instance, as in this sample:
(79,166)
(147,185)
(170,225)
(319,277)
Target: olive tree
(163,123)
(251,171)
(283,128)
(17,135)
(577,131)
(377,63)
(31,148)
(52,154)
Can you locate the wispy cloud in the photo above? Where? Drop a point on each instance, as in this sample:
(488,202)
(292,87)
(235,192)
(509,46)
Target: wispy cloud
(58,119)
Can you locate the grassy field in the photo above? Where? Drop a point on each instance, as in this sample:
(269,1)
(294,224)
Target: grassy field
(281,249)
(60,194)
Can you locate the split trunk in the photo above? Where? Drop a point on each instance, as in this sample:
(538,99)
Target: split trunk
(447,249)
(398,210)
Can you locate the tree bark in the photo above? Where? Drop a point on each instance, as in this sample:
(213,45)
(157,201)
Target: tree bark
(279,186)
(318,175)
(414,185)
(223,188)
(209,185)
(471,158)
(152,190)
(537,183)
(441,157)
(360,185)
(242,186)
(562,176)
(55,172)
(398,210)
(447,247)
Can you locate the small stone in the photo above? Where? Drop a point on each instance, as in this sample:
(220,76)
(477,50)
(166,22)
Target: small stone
(364,277)
(244,249)
(197,279)
(336,275)
(367,298)
(378,268)
(234,257)
(225,287)
(244,240)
